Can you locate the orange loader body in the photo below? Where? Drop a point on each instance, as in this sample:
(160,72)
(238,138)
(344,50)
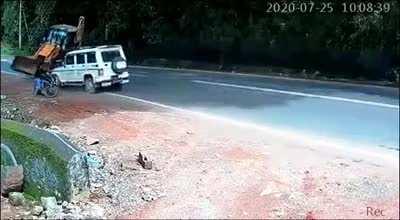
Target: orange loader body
(57,41)
(40,61)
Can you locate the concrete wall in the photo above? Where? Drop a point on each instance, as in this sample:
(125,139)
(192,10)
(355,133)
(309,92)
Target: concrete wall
(52,165)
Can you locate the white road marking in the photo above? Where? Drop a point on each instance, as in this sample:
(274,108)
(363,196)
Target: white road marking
(6,72)
(139,75)
(299,94)
(6,60)
(385,155)
(9,73)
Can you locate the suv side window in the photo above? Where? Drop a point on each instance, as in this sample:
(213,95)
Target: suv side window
(91,57)
(80,58)
(108,56)
(69,60)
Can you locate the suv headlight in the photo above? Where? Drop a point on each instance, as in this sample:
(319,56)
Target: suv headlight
(101,72)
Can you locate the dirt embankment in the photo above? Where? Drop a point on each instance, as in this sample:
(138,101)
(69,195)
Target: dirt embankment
(211,169)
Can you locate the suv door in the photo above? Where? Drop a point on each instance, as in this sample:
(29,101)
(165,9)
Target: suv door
(80,67)
(67,73)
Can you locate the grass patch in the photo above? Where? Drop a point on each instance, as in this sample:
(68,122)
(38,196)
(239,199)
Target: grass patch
(9,51)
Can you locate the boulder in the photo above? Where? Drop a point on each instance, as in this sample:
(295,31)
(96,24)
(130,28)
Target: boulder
(16,198)
(37,210)
(12,178)
(93,211)
(49,203)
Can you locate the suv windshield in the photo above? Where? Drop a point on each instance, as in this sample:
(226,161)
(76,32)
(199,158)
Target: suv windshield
(108,56)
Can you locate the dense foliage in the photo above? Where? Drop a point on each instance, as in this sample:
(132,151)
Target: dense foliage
(227,32)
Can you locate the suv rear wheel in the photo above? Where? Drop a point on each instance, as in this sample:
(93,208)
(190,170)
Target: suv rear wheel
(90,87)
(117,86)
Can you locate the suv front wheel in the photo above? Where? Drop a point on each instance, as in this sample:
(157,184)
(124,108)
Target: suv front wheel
(90,87)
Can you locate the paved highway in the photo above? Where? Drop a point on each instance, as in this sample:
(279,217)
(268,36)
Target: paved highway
(366,115)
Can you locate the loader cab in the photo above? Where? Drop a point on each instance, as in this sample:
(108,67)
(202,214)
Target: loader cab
(62,35)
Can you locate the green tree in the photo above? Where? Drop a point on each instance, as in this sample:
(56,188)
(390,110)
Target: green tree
(9,22)
(40,21)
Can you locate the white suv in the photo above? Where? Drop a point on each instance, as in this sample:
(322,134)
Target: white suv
(93,67)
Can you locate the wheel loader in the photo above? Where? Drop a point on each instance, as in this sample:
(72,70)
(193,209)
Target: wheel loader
(56,42)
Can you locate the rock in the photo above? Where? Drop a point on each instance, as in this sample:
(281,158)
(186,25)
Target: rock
(148,194)
(344,164)
(33,123)
(91,141)
(147,198)
(94,161)
(55,128)
(72,216)
(54,214)
(92,152)
(37,210)
(64,204)
(93,211)
(144,161)
(12,178)
(96,185)
(26,215)
(72,208)
(279,213)
(16,198)
(315,74)
(49,203)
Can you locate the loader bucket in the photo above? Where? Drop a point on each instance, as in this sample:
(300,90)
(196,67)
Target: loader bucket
(24,64)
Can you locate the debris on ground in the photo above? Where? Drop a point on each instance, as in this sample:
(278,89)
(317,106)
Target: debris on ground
(91,141)
(14,110)
(144,161)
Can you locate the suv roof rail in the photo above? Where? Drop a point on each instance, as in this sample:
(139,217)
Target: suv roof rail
(108,46)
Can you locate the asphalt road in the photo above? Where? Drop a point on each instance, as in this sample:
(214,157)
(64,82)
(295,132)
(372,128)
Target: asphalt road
(366,115)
